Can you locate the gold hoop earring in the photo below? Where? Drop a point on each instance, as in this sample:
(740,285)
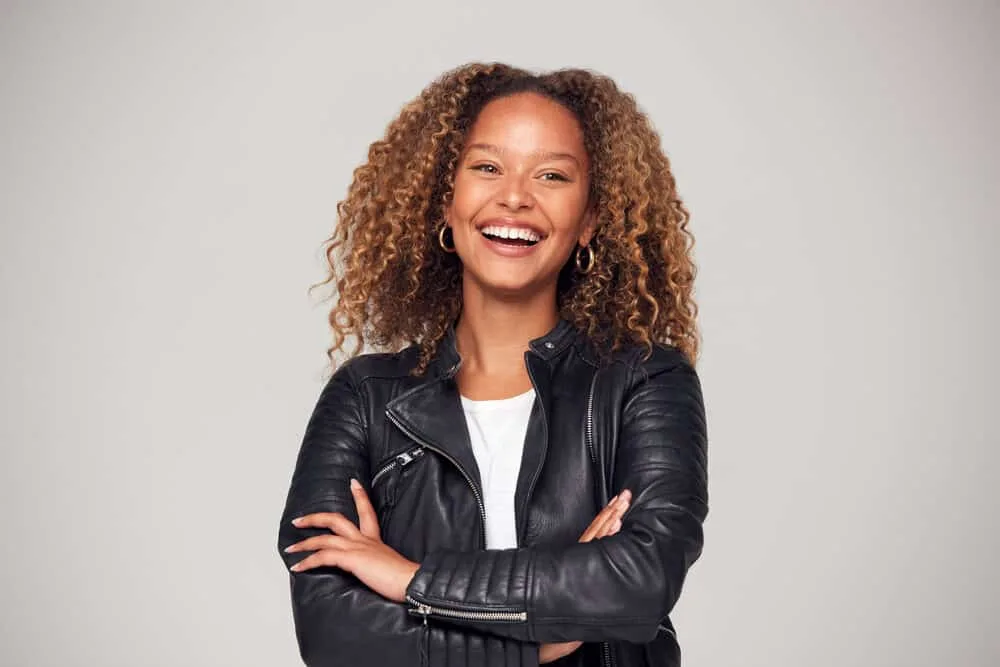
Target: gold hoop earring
(591,260)
(441,242)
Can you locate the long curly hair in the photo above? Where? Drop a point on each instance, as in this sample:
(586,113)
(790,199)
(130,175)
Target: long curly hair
(396,287)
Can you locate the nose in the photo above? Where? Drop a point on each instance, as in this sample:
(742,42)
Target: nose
(514,195)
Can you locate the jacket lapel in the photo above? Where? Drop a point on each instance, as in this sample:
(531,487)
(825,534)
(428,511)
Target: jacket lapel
(431,414)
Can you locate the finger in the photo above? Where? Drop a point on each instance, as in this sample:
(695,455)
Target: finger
(591,530)
(319,542)
(367,518)
(334,521)
(602,517)
(552,652)
(612,522)
(604,529)
(324,558)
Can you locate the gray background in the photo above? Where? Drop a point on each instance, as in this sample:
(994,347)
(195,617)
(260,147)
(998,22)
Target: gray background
(168,172)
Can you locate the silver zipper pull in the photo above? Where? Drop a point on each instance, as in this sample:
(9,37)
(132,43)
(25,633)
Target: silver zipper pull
(407,458)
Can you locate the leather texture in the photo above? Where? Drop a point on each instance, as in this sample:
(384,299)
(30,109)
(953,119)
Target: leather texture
(639,425)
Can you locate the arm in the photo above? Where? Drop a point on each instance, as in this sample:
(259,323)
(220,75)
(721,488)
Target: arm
(338,620)
(618,588)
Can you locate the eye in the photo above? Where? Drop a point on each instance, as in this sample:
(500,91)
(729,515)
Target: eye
(554,176)
(486,168)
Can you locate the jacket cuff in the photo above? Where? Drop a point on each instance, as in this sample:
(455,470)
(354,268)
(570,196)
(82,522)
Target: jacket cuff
(479,589)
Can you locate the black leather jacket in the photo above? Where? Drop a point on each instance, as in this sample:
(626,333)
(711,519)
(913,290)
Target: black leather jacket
(640,422)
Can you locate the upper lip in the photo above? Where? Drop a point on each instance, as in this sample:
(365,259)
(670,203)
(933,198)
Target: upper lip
(511,223)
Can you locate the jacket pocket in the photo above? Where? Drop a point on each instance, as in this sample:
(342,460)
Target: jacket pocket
(386,481)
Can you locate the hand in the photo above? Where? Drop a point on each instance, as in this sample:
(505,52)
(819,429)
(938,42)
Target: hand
(608,522)
(356,549)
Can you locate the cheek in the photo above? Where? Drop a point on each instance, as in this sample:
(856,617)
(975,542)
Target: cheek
(567,212)
(468,196)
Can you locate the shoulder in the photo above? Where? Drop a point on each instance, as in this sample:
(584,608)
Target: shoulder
(637,369)
(638,361)
(377,365)
(662,358)
(663,369)
(369,372)
(666,382)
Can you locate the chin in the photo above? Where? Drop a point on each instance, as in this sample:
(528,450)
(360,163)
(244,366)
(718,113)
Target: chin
(510,288)
(507,285)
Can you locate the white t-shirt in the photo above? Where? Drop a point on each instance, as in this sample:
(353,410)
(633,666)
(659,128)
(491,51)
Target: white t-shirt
(497,429)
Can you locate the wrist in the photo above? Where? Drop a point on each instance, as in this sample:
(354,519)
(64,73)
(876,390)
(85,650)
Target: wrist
(407,577)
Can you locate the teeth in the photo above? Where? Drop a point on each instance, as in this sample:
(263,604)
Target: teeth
(511,233)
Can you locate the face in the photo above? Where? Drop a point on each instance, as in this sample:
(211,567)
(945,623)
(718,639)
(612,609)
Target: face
(521,194)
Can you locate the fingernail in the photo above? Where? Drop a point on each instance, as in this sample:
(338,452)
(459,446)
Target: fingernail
(617,525)
(296,520)
(626,495)
(355,484)
(295,567)
(289,549)
(612,501)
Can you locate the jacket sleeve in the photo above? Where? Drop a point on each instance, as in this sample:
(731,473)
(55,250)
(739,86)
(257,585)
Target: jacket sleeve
(615,588)
(338,620)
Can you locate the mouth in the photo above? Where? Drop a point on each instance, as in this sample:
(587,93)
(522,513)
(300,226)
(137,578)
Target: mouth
(518,236)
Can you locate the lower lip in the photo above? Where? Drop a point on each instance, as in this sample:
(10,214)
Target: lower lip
(509,250)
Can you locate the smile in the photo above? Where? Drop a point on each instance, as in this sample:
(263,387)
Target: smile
(518,236)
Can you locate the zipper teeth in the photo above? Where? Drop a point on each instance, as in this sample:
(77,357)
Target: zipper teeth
(383,470)
(408,457)
(508,616)
(590,419)
(605,647)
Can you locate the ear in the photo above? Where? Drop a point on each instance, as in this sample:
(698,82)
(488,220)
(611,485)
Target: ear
(588,227)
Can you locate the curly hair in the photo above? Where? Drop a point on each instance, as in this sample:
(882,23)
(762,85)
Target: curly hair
(396,287)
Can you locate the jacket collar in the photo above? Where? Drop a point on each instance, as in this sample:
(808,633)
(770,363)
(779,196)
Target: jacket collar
(548,347)
(431,413)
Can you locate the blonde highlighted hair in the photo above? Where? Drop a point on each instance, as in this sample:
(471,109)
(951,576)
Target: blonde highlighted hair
(395,286)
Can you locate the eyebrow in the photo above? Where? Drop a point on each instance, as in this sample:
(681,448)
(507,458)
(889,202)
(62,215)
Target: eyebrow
(544,155)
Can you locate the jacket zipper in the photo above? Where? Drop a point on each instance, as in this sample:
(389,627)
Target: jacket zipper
(499,616)
(589,435)
(606,653)
(590,419)
(401,460)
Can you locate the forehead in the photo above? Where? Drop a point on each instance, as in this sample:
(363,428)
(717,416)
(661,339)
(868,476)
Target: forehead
(528,123)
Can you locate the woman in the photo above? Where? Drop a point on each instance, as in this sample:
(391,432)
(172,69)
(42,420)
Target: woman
(517,244)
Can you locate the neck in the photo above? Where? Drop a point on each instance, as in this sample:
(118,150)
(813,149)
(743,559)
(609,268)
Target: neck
(493,333)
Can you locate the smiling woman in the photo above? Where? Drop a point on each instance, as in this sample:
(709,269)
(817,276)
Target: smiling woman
(516,246)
